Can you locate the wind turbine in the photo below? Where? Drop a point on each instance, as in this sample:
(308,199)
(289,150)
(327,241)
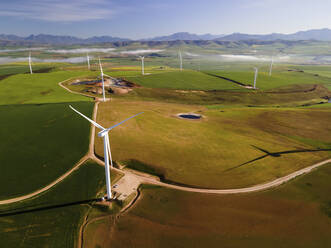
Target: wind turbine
(255,76)
(180,60)
(30,63)
(88,61)
(271,64)
(106,147)
(142,65)
(103,82)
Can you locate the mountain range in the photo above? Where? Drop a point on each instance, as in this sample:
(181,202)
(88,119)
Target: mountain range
(314,34)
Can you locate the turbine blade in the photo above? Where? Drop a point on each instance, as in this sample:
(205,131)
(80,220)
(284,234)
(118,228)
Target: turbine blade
(93,122)
(108,129)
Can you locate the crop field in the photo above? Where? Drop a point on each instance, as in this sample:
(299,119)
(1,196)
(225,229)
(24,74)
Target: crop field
(213,152)
(42,143)
(52,219)
(38,88)
(296,215)
(277,80)
(186,80)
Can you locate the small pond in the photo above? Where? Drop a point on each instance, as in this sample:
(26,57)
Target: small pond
(189,116)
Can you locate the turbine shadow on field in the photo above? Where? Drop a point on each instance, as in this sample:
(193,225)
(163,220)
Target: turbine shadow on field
(275,155)
(25,211)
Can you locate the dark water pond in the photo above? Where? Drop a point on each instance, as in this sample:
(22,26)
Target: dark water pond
(190,116)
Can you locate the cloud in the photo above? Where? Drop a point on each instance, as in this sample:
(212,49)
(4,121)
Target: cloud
(142,51)
(241,57)
(7,60)
(58,10)
(21,49)
(82,50)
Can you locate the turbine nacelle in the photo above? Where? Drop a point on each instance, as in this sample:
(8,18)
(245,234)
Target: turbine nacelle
(103,133)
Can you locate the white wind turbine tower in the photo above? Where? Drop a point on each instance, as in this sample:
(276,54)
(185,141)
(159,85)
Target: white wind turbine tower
(255,76)
(271,64)
(142,65)
(88,62)
(30,65)
(180,60)
(106,147)
(102,79)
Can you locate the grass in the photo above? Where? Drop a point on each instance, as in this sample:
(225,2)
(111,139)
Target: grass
(41,142)
(199,153)
(277,80)
(185,80)
(50,223)
(294,215)
(286,97)
(18,68)
(38,88)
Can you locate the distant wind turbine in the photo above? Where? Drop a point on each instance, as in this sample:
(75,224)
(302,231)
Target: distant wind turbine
(88,62)
(180,60)
(30,65)
(255,76)
(271,64)
(102,79)
(142,65)
(106,147)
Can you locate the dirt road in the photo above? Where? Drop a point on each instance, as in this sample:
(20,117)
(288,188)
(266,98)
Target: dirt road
(132,179)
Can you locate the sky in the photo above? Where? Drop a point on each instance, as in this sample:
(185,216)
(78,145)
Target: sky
(136,19)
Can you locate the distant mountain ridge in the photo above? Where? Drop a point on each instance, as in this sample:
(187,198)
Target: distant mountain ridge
(60,39)
(185,36)
(314,34)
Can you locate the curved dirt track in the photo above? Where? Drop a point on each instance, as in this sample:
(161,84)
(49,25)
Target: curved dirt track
(144,178)
(255,188)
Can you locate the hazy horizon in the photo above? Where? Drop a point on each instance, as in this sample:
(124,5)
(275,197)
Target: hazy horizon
(145,19)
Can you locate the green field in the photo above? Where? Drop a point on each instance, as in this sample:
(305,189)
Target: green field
(41,143)
(277,80)
(52,219)
(294,215)
(11,69)
(39,88)
(200,153)
(185,80)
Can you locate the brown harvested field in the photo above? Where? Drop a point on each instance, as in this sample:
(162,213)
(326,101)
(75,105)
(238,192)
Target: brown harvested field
(296,215)
(205,153)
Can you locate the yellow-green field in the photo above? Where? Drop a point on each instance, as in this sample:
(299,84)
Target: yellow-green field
(204,153)
(295,215)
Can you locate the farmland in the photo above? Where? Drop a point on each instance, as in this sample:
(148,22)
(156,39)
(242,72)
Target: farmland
(53,218)
(38,88)
(245,137)
(187,80)
(42,143)
(277,80)
(294,215)
(203,153)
